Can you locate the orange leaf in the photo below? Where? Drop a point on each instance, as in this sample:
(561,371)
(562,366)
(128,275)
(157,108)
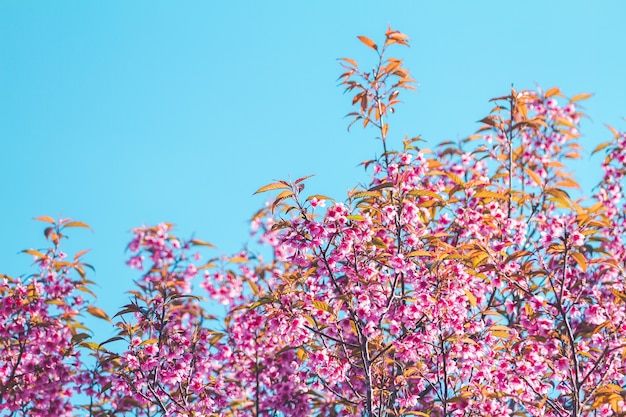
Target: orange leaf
(554,91)
(601,146)
(426,193)
(284,194)
(565,122)
(198,242)
(35,253)
(46,219)
(98,312)
(613,130)
(419,253)
(319,197)
(489,194)
(567,183)
(273,186)
(349,61)
(489,120)
(535,177)
(392,66)
(238,259)
(384,129)
(81,253)
(77,224)
(580,260)
(396,37)
(280,197)
(368,42)
(470,297)
(579,97)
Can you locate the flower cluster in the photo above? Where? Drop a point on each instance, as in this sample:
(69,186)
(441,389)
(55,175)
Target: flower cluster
(41,366)
(463,281)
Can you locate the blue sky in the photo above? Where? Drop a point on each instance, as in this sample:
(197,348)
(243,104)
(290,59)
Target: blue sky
(124,113)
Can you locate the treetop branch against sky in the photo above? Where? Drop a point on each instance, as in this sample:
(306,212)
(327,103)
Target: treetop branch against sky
(122,115)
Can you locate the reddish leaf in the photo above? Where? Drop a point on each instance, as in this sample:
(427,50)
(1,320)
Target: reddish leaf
(381,186)
(299,180)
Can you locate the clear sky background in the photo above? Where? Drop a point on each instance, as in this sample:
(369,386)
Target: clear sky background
(123,113)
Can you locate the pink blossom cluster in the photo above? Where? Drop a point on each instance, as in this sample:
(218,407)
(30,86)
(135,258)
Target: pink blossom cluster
(40,361)
(461,281)
(171,364)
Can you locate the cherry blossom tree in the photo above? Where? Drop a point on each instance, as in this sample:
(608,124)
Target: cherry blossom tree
(463,280)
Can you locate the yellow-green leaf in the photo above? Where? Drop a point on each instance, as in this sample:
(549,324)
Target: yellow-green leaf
(92,346)
(356,218)
(79,337)
(378,242)
(321,305)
